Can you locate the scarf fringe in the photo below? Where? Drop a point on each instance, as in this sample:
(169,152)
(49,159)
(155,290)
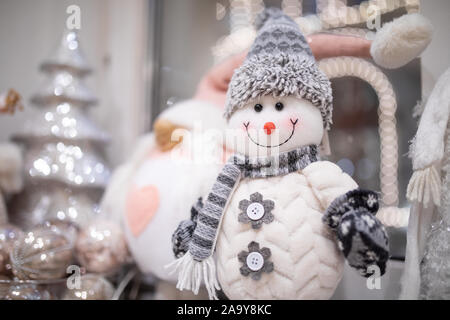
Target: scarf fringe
(425,187)
(192,272)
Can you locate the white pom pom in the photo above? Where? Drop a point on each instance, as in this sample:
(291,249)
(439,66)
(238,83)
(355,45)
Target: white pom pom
(400,41)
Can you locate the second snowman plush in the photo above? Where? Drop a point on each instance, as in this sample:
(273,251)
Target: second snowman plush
(279,223)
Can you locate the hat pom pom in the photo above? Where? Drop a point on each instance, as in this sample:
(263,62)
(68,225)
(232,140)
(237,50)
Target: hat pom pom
(265,15)
(400,41)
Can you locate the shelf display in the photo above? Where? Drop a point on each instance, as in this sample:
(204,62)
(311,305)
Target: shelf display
(273,154)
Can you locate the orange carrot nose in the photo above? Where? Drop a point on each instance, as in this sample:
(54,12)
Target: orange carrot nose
(268,127)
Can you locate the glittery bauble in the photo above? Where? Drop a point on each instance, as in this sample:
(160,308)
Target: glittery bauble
(42,253)
(27,292)
(8,234)
(92,287)
(101,247)
(67,228)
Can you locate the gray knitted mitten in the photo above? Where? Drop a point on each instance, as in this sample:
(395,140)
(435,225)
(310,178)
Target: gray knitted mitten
(361,236)
(183,234)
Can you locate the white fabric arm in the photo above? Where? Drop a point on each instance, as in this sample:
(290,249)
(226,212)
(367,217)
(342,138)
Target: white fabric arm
(328,181)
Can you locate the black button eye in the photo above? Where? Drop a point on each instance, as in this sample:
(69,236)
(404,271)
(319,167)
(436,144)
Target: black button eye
(279,106)
(258,107)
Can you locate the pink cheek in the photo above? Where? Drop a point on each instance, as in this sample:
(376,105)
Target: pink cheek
(244,128)
(288,124)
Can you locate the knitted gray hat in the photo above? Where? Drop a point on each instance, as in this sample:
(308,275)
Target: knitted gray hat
(279,63)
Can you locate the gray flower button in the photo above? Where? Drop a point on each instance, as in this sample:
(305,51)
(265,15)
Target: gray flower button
(256,210)
(255,261)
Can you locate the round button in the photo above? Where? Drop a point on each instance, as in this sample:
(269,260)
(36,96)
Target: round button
(255,261)
(255,211)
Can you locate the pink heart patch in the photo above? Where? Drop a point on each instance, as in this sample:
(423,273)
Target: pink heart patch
(141,206)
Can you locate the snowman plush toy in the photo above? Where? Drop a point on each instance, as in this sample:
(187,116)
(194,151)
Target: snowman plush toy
(279,223)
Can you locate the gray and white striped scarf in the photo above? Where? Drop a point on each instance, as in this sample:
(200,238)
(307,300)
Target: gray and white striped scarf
(198,263)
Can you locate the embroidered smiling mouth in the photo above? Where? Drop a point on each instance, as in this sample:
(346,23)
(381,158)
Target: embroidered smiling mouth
(261,145)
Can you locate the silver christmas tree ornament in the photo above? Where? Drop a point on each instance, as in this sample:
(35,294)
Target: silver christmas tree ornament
(68,56)
(65,171)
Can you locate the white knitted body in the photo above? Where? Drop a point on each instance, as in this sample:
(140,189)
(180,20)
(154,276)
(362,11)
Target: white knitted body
(307,261)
